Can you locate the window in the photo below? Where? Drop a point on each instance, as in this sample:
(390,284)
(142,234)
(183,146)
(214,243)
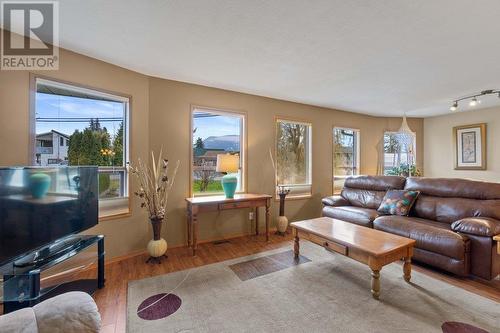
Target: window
(345,156)
(293,156)
(397,155)
(92,129)
(215,132)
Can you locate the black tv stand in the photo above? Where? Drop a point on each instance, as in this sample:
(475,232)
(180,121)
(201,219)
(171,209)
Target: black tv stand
(21,278)
(51,251)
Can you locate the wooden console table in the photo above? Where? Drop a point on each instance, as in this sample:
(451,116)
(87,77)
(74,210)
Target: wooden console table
(218,203)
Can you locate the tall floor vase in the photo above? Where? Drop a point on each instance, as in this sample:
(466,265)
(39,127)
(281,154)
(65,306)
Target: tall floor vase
(282,221)
(157,247)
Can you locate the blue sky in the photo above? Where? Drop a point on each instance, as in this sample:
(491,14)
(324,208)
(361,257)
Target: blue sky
(55,106)
(215,126)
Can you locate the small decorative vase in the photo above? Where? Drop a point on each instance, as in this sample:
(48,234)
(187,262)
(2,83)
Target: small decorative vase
(157,247)
(39,184)
(229,183)
(282,223)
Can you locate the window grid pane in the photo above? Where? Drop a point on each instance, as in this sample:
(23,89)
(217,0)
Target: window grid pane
(79,126)
(214,133)
(293,156)
(345,156)
(395,154)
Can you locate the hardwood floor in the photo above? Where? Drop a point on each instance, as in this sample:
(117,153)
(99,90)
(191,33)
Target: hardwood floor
(112,300)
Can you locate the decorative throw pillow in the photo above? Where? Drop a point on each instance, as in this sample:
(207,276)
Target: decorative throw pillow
(398,202)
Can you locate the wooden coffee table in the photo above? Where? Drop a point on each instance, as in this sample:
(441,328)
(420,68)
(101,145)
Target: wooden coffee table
(372,247)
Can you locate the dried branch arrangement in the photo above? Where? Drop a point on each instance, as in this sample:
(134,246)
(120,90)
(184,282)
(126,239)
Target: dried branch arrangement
(274,166)
(155,185)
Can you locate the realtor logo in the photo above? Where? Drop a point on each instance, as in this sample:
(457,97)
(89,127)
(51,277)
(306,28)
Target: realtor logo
(30,35)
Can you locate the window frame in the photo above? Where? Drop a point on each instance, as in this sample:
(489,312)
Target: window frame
(243,146)
(111,208)
(309,160)
(358,154)
(383,149)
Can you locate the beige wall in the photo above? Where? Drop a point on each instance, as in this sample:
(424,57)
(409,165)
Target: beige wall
(160,118)
(170,105)
(438,155)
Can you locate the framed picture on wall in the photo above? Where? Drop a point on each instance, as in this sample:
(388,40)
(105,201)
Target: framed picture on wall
(470,147)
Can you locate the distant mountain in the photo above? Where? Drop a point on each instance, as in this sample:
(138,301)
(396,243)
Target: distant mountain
(226,142)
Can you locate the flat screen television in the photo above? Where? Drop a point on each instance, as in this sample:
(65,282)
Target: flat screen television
(39,206)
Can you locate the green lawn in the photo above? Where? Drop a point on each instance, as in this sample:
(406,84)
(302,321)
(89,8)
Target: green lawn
(213,186)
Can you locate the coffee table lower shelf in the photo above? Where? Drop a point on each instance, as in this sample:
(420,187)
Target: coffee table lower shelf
(391,247)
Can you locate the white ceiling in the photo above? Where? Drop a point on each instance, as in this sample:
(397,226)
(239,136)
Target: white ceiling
(381,57)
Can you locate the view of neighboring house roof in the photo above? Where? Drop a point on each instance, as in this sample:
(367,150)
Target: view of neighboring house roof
(52,131)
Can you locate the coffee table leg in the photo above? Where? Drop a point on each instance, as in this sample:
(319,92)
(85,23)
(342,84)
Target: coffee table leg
(407,269)
(296,243)
(375,283)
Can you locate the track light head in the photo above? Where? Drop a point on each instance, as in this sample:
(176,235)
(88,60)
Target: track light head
(473,102)
(454,106)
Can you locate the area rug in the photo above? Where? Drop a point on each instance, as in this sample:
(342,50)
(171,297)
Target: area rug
(323,292)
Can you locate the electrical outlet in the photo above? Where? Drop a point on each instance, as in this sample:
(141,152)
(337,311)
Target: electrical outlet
(250,216)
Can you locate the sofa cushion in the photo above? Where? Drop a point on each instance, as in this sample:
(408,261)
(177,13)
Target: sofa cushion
(368,191)
(19,321)
(431,236)
(479,226)
(363,198)
(356,215)
(375,183)
(454,188)
(74,311)
(398,202)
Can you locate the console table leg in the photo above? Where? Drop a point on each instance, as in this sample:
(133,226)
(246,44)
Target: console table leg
(407,269)
(267,220)
(194,222)
(375,284)
(100,263)
(256,221)
(189,227)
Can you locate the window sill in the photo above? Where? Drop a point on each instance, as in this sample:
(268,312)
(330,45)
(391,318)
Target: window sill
(111,209)
(115,216)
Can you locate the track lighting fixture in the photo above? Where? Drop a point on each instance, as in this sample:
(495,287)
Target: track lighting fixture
(474,101)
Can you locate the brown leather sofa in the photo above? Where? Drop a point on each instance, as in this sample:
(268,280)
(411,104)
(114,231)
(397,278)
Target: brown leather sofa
(452,220)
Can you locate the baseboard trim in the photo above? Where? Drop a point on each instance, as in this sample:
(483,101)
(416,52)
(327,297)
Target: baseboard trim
(202,241)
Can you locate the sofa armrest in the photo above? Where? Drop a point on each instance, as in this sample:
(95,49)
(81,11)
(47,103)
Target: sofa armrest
(334,201)
(479,226)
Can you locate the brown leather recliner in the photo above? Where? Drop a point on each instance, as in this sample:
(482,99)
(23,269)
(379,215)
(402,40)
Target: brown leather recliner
(453,220)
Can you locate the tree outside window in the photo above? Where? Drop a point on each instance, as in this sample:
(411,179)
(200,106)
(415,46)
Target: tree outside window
(293,156)
(345,155)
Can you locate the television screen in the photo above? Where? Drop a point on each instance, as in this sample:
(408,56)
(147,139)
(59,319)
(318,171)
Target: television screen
(41,205)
